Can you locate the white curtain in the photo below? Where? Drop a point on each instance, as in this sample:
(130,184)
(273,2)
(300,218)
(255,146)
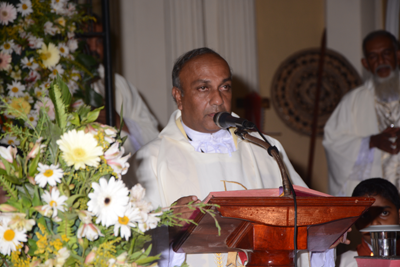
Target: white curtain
(226,26)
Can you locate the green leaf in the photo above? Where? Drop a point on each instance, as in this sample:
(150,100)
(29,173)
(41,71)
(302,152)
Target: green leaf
(86,60)
(33,165)
(32,247)
(92,98)
(92,115)
(36,199)
(12,179)
(26,203)
(72,199)
(147,260)
(57,97)
(76,121)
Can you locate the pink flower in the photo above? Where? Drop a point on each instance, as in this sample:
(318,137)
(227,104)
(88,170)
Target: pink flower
(90,231)
(36,149)
(49,107)
(8,153)
(8,13)
(115,160)
(5,60)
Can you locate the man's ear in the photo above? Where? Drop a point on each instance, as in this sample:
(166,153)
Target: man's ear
(399,215)
(176,93)
(398,57)
(365,64)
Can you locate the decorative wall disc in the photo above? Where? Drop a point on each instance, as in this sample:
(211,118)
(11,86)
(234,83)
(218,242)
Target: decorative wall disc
(294,86)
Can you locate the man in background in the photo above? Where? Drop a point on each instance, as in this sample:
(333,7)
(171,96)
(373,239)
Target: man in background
(361,136)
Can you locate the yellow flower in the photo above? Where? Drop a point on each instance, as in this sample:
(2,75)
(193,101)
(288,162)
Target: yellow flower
(21,105)
(80,149)
(50,55)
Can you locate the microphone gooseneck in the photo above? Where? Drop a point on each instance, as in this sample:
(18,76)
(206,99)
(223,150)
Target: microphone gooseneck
(225,120)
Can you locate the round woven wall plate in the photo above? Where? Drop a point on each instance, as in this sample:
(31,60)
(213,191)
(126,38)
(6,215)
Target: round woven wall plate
(294,87)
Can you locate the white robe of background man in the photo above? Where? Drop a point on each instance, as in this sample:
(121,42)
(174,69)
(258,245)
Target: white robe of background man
(346,141)
(170,168)
(141,123)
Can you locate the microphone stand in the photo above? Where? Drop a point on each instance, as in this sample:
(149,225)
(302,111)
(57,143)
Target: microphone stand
(288,190)
(273,152)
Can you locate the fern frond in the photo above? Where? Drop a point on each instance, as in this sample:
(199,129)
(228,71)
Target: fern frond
(8,187)
(65,227)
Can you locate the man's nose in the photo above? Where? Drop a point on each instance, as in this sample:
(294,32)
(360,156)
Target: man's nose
(376,222)
(381,59)
(216,98)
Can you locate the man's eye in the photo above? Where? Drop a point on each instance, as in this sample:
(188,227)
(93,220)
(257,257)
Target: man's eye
(202,88)
(385,213)
(226,87)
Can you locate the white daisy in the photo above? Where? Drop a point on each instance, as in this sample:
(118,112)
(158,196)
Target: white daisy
(56,70)
(108,201)
(72,86)
(16,89)
(48,175)
(17,49)
(7,47)
(72,45)
(49,28)
(64,50)
(8,13)
(71,9)
(29,63)
(39,92)
(35,42)
(33,117)
(151,221)
(32,77)
(80,149)
(58,6)
(126,222)
(54,201)
(28,97)
(16,75)
(10,239)
(25,7)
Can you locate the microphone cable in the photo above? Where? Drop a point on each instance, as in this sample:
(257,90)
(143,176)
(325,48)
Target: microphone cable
(294,200)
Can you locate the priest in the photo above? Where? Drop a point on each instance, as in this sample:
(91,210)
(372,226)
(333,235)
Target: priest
(192,156)
(361,136)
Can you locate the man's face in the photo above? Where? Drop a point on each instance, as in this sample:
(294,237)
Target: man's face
(206,84)
(382,212)
(380,56)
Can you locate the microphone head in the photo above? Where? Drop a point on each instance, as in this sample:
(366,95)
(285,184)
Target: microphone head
(217,118)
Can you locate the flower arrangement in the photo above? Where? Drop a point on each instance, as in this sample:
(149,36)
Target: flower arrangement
(37,43)
(67,204)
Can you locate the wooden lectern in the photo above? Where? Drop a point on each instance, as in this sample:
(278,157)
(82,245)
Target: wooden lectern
(262,225)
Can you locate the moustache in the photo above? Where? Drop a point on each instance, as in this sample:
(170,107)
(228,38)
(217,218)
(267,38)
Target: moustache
(383,66)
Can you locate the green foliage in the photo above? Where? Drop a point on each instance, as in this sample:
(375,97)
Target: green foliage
(61,97)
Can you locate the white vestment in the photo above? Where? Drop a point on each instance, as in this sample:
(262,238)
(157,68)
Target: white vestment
(347,259)
(170,168)
(346,141)
(141,123)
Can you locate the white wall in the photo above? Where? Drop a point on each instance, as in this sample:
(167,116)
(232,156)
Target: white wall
(154,33)
(348,22)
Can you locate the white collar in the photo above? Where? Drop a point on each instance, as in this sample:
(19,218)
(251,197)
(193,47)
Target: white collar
(218,142)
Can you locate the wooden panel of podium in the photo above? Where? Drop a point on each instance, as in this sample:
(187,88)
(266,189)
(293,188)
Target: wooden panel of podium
(263,227)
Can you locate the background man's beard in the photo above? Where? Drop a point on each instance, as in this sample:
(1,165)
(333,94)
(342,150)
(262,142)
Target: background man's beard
(387,89)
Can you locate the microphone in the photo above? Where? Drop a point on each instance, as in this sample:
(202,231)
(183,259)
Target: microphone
(225,120)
